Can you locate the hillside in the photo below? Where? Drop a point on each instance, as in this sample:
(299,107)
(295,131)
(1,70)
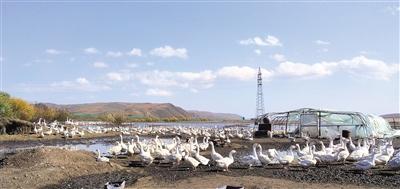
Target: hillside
(214,116)
(155,110)
(161,110)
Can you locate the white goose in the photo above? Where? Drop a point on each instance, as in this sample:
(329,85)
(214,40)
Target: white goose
(131,150)
(101,158)
(307,162)
(171,146)
(389,148)
(343,154)
(306,149)
(160,152)
(124,147)
(204,145)
(358,153)
(382,158)
(226,161)
(394,163)
(272,153)
(116,149)
(174,157)
(145,156)
(329,158)
(41,134)
(263,157)
(351,144)
(251,159)
(215,155)
(203,160)
(300,152)
(287,158)
(193,162)
(366,163)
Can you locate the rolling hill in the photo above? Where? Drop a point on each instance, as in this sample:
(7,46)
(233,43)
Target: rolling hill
(155,110)
(214,116)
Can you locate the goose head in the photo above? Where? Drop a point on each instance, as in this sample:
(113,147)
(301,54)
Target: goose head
(298,147)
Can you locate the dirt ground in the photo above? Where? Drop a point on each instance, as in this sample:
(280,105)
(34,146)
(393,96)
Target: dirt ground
(35,137)
(60,168)
(251,182)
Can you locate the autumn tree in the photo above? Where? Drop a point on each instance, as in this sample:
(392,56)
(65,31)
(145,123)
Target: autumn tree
(21,109)
(116,118)
(5,108)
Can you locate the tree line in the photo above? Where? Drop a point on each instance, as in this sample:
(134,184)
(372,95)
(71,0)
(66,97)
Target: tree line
(12,107)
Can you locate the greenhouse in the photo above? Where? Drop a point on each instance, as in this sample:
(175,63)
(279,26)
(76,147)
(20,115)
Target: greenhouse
(324,123)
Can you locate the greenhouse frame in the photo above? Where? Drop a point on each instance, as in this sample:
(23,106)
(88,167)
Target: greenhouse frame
(325,123)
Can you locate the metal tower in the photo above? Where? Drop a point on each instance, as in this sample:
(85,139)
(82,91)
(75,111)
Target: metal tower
(260,98)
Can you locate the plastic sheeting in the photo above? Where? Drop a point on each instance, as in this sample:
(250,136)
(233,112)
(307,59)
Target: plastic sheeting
(380,128)
(322,123)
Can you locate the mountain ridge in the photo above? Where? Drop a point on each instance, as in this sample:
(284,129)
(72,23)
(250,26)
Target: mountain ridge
(155,110)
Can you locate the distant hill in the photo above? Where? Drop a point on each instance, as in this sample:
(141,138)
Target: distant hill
(393,115)
(214,116)
(156,110)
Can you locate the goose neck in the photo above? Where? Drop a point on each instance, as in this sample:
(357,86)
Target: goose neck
(255,151)
(212,147)
(231,154)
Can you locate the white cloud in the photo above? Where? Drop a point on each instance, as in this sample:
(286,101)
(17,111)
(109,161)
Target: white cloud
(259,41)
(132,65)
(53,51)
(168,51)
(100,65)
(91,50)
(150,63)
(203,79)
(80,84)
(375,69)
(278,57)
(393,10)
(158,92)
(116,76)
(114,54)
(320,42)
(243,73)
(358,66)
(135,52)
(257,51)
(195,81)
(82,81)
(194,90)
(325,50)
(293,69)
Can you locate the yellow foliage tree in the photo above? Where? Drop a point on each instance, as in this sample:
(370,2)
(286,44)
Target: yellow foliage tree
(21,109)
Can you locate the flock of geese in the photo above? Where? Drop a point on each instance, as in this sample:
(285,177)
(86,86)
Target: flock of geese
(42,129)
(366,154)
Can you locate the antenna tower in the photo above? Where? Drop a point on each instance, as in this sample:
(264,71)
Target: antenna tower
(260,99)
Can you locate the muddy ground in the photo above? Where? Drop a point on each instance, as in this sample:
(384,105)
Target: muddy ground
(58,168)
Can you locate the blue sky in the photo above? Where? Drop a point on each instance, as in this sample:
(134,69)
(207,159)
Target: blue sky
(204,56)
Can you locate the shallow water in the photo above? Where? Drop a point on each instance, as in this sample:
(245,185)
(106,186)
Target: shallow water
(88,145)
(103,146)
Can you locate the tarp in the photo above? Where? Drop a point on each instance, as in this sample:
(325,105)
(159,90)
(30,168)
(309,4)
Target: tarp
(324,123)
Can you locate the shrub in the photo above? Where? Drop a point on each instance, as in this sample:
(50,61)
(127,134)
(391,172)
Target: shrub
(116,118)
(5,107)
(21,109)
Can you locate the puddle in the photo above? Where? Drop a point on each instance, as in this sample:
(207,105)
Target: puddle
(88,145)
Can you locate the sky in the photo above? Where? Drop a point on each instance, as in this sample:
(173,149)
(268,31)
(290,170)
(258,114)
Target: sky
(204,56)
